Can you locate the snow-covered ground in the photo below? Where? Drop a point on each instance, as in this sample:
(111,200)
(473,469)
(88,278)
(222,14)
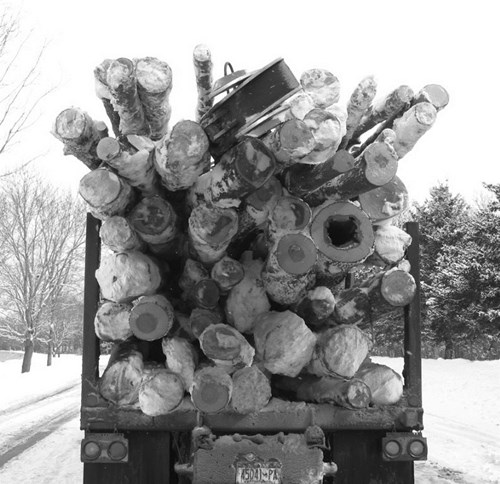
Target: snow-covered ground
(40,435)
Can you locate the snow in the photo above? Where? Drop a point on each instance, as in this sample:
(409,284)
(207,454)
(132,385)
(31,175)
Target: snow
(461,419)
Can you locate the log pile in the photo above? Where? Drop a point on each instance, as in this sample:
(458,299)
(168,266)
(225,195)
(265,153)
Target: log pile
(229,240)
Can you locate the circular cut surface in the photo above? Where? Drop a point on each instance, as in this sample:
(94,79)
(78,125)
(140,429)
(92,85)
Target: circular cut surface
(296,253)
(153,75)
(398,287)
(291,213)
(149,321)
(151,215)
(100,187)
(254,161)
(71,123)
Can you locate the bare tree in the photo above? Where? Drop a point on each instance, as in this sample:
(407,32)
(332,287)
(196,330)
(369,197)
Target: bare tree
(43,234)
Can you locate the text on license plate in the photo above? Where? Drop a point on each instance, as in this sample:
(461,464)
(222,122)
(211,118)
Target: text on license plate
(258,475)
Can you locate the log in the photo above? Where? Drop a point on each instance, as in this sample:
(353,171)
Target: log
(384,203)
(117,234)
(122,377)
(289,215)
(181,357)
(226,347)
(212,390)
(154,84)
(151,317)
(376,166)
(316,306)
(386,386)
(227,272)
(80,135)
(102,92)
(200,319)
(154,219)
(385,109)
(125,276)
(322,86)
(435,94)
(301,179)
(251,390)
(342,233)
(299,105)
(122,83)
(352,394)
(283,342)
(192,273)
(289,142)
(111,322)
(161,392)
(412,125)
(288,272)
(353,306)
(248,299)
(397,287)
(390,246)
(339,351)
(205,294)
(211,230)
(182,155)
(106,194)
(202,60)
(134,166)
(359,103)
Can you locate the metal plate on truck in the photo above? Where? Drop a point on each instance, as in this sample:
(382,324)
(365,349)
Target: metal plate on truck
(251,469)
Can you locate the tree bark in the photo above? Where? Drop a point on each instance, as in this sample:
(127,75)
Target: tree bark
(50,345)
(28,351)
(202,60)
(102,92)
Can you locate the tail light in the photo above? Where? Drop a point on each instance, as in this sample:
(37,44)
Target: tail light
(104,448)
(404,446)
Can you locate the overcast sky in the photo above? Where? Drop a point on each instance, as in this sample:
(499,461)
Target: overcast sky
(416,43)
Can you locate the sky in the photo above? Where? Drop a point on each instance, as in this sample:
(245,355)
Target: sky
(454,44)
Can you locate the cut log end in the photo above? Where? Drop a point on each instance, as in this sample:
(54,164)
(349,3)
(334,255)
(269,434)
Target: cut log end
(296,253)
(153,215)
(108,148)
(254,162)
(251,390)
(100,187)
(212,390)
(381,163)
(153,75)
(161,392)
(206,294)
(151,318)
(227,272)
(290,214)
(322,86)
(398,287)
(435,94)
(71,124)
(201,53)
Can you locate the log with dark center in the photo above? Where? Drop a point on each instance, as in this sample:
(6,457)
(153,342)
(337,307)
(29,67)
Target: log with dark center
(251,390)
(80,135)
(117,234)
(205,294)
(106,193)
(386,202)
(135,166)
(151,317)
(240,171)
(111,321)
(301,179)
(227,272)
(122,83)
(212,390)
(182,155)
(154,220)
(211,230)
(161,392)
(342,232)
(226,347)
(352,393)
(202,60)
(154,83)
(322,86)
(376,166)
(102,92)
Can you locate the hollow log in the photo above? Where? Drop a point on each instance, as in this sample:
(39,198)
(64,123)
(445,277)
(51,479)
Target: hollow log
(342,233)
(161,392)
(239,172)
(212,390)
(151,317)
(154,219)
(102,92)
(376,166)
(105,193)
(358,105)
(182,155)
(316,306)
(283,342)
(322,86)
(434,94)
(154,84)
(227,272)
(353,393)
(122,377)
(248,298)
(136,167)
(412,125)
(384,203)
(202,60)
(200,319)
(251,390)
(211,230)
(288,271)
(122,83)
(301,179)
(80,135)
(226,347)
(181,357)
(339,351)
(111,322)
(117,234)
(386,386)
(125,276)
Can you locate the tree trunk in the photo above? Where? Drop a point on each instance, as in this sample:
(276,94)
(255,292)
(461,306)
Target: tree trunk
(28,351)
(50,345)
(449,350)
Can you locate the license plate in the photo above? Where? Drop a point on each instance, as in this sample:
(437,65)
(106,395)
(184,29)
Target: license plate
(250,469)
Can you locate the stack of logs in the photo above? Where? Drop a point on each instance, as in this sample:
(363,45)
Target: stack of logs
(223,280)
